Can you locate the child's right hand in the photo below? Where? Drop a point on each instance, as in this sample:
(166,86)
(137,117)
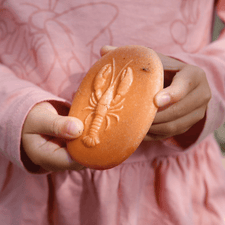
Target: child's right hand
(44,138)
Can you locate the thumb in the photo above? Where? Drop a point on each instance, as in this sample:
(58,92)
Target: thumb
(43,121)
(61,126)
(64,127)
(106,48)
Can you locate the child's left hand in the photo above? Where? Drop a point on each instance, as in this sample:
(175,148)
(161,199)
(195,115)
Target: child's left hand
(183,103)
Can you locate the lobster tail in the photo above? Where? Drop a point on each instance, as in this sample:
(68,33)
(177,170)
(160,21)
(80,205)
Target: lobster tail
(90,141)
(92,138)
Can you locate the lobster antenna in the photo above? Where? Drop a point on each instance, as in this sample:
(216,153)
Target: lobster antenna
(113,73)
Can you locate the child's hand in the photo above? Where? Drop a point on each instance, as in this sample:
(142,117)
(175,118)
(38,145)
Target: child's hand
(43,138)
(183,103)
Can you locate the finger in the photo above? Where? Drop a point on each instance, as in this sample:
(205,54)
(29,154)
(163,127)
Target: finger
(183,107)
(49,123)
(178,126)
(170,64)
(59,160)
(49,152)
(183,83)
(106,48)
(154,137)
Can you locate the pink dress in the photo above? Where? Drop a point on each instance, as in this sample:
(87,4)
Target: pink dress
(46,47)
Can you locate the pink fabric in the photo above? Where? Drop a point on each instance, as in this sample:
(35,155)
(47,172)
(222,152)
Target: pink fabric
(45,49)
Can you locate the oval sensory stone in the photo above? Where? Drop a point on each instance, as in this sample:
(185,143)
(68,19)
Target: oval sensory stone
(115,101)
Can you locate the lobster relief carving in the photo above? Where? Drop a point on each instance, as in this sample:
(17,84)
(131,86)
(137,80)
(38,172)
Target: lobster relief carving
(107,99)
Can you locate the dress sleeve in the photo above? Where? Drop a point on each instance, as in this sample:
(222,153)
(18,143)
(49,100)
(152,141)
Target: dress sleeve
(212,60)
(17,97)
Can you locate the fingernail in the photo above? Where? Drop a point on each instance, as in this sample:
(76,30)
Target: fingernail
(163,100)
(73,129)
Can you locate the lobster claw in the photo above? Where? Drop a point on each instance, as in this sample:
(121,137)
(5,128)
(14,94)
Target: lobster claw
(125,83)
(100,80)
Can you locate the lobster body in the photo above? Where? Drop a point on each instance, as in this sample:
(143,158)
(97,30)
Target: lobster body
(100,113)
(106,102)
